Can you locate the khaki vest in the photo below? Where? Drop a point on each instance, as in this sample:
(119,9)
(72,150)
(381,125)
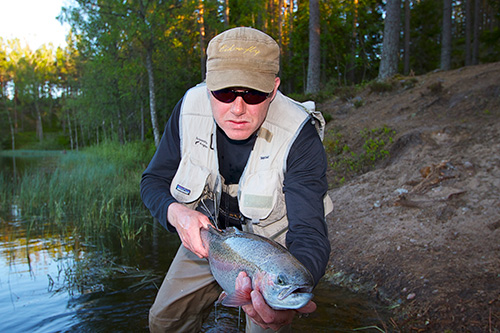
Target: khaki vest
(260,197)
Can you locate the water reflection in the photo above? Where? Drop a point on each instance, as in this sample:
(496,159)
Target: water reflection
(63,285)
(24,269)
(17,162)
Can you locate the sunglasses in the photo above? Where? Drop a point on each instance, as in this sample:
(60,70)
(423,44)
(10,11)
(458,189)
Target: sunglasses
(250,96)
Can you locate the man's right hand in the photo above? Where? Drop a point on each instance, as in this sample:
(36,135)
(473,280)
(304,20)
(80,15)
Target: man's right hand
(188,223)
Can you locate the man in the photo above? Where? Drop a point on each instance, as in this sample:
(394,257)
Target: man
(236,153)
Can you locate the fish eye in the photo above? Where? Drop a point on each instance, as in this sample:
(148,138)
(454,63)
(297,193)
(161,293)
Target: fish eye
(281,280)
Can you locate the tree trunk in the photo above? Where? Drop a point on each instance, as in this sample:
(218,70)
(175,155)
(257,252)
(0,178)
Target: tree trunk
(390,47)
(201,22)
(226,13)
(313,69)
(142,122)
(152,98)
(280,28)
(39,125)
(77,145)
(468,32)
(70,130)
(82,134)
(11,125)
(121,131)
(288,55)
(446,36)
(477,25)
(351,67)
(406,53)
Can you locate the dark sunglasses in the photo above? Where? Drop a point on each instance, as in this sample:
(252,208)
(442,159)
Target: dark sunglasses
(250,96)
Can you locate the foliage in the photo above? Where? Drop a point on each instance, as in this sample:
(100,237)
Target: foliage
(425,35)
(51,141)
(347,161)
(123,57)
(382,86)
(375,143)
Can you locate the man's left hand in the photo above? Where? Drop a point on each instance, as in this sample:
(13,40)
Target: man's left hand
(261,313)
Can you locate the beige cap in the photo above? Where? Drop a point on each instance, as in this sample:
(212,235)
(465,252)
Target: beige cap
(242,57)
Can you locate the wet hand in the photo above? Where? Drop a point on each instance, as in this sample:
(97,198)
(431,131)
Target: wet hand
(261,313)
(188,223)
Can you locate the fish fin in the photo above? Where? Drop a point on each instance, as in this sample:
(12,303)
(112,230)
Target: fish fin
(238,298)
(222,296)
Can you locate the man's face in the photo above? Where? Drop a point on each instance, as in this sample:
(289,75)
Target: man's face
(238,119)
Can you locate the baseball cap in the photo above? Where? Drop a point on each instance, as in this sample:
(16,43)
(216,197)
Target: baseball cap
(242,57)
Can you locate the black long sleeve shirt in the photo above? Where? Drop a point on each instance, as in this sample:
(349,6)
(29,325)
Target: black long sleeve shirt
(305,185)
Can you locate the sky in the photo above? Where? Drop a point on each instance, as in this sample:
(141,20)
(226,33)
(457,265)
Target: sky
(33,22)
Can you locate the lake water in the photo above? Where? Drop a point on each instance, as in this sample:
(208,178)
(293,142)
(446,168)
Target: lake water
(53,281)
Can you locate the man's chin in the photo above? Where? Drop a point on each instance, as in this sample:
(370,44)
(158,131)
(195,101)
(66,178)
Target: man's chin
(238,135)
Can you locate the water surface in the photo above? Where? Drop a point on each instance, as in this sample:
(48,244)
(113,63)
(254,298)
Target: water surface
(52,280)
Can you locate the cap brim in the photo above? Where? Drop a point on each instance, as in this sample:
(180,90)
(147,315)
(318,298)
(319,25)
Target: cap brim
(220,79)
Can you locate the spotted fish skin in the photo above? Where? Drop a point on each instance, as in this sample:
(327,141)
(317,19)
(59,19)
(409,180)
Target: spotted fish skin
(281,279)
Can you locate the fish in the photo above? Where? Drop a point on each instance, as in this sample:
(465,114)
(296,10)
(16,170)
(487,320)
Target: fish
(281,279)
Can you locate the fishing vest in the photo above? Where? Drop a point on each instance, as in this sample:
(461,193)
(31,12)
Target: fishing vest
(260,190)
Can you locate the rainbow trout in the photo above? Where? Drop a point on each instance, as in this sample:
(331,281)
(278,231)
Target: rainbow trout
(281,279)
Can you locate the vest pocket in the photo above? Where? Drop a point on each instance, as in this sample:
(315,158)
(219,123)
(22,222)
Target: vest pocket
(261,197)
(189,181)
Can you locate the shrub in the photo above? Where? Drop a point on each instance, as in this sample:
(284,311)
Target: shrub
(346,161)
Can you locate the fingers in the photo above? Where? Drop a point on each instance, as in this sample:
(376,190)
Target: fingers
(266,313)
(243,282)
(308,308)
(188,223)
(261,313)
(197,245)
(265,316)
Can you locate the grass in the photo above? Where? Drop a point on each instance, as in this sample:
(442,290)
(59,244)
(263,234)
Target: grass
(347,161)
(97,189)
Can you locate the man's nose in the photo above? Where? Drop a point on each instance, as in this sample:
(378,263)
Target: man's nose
(238,107)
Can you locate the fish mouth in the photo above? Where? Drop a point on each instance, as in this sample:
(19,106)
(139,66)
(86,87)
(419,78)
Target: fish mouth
(295,291)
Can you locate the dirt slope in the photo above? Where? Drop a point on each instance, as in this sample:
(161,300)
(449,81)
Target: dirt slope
(423,229)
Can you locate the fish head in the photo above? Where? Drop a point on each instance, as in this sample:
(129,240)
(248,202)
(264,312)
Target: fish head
(284,291)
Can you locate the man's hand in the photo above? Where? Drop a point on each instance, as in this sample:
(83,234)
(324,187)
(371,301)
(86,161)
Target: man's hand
(188,223)
(261,313)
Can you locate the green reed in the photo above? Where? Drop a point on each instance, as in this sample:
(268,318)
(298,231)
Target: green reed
(96,189)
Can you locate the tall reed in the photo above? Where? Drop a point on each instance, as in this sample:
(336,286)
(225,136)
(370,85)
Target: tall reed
(96,189)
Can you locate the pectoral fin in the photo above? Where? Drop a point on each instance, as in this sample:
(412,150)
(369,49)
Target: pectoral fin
(236,299)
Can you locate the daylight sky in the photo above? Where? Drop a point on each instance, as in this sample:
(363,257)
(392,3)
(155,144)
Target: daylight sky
(33,22)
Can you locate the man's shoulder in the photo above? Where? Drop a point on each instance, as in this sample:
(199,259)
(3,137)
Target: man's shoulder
(196,101)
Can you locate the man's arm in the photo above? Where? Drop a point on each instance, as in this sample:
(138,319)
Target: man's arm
(305,186)
(156,179)
(307,237)
(155,190)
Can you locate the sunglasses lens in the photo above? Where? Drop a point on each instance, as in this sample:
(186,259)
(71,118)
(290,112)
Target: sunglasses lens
(254,97)
(249,96)
(224,95)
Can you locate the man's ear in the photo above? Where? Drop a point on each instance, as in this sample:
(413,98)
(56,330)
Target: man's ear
(277,82)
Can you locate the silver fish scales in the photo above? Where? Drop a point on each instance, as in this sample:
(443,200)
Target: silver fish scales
(281,279)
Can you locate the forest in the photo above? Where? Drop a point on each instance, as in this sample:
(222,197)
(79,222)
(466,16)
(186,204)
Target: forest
(127,63)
